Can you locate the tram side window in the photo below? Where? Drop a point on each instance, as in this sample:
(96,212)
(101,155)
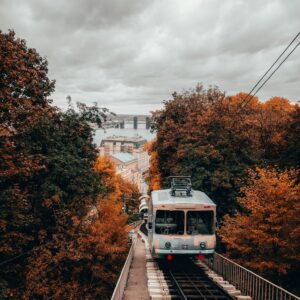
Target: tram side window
(169,222)
(200,222)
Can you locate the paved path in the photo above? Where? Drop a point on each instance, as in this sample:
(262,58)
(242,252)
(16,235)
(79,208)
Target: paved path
(137,288)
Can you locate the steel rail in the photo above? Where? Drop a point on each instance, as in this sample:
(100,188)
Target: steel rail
(190,282)
(193,284)
(177,286)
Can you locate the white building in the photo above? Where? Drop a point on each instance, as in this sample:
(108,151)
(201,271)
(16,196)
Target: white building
(127,167)
(131,145)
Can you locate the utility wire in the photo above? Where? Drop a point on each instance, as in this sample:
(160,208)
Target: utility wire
(275,70)
(245,100)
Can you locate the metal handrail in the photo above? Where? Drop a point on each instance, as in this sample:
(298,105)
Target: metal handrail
(121,284)
(247,281)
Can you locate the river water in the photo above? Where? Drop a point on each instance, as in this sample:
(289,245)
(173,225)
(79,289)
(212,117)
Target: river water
(129,131)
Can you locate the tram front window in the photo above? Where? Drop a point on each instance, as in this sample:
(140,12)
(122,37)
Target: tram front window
(169,222)
(200,222)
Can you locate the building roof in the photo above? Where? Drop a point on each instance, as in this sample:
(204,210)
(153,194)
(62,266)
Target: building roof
(123,157)
(137,140)
(164,197)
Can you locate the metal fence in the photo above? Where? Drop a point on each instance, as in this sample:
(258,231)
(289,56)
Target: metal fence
(246,281)
(121,284)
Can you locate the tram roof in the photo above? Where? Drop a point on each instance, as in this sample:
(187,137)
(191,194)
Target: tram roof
(164,197)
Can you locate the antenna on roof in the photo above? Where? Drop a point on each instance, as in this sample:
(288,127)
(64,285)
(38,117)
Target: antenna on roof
(181,184)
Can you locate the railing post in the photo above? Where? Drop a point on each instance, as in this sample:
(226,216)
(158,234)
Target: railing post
(247,281)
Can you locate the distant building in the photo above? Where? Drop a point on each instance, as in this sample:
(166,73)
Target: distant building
(113,144)
(127,167)
(133,145)
(125,160)
(129,155)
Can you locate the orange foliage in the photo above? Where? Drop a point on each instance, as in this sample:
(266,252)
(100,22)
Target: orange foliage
(109,228)
(89,255)
(153,177)
(130,194)
(215,139)
(266,235)
(24,88)
(263,123)
(278,104)
(120,190)
(108,177)
(86,261)
(242,101)
(60,237)
(21,69)
(274,117)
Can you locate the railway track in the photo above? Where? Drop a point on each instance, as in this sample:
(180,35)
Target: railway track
(188,281)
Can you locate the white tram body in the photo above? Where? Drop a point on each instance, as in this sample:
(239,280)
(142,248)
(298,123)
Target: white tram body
(143,207)
(181,221)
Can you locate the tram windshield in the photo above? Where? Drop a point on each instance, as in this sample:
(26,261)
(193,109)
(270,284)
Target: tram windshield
(169,222)
(200,222)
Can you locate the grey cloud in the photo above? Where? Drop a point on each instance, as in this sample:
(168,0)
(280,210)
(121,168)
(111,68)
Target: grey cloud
(132,54)
(85,14)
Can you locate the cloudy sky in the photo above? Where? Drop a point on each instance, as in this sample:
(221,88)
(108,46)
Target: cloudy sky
(129,55)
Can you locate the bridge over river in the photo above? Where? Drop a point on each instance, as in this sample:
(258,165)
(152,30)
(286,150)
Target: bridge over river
(143,277)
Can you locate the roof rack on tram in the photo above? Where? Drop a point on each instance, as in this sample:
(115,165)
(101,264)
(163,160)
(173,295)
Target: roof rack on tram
(181,185)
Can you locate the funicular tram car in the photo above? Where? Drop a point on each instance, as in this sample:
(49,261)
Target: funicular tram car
(143,207)
(181,221)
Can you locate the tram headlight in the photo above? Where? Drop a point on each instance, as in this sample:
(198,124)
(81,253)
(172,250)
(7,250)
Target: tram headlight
(202,245)
(168,245)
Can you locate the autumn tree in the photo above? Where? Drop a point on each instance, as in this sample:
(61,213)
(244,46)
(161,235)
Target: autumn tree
(120,190)
(24,88)
(265,235)
(215,138)
(199,133)
(274,117)
(106,169)
(153,177)
(60,195)
(291,155)
(89,238)
(130,195)
(85,263)
(110,225)
(49,246)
